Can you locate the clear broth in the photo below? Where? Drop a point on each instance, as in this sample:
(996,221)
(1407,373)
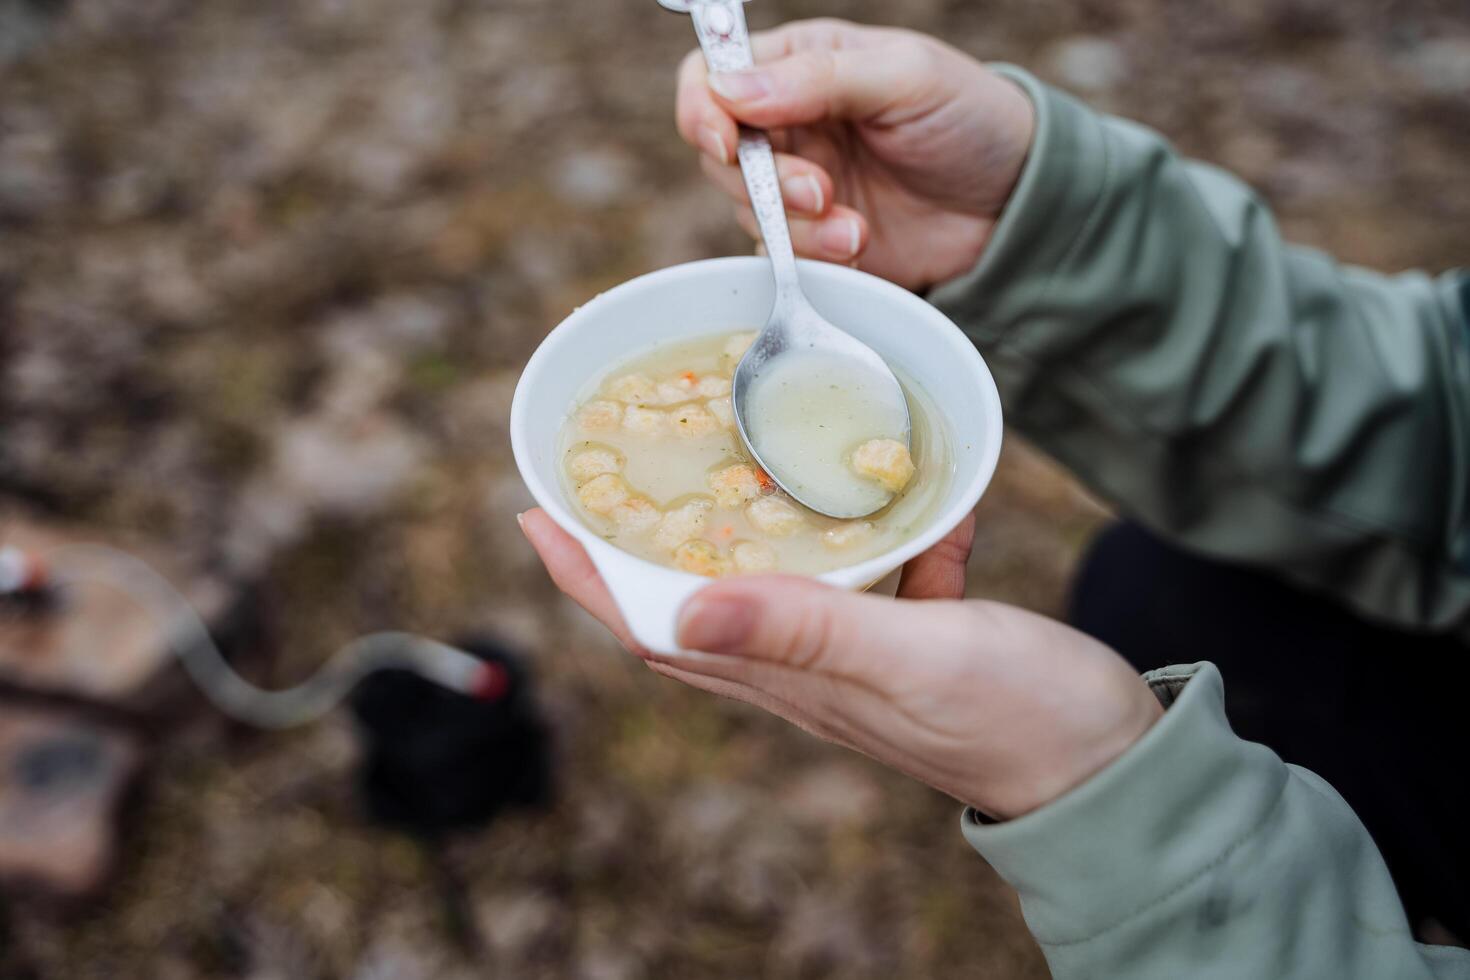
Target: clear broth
(670,469)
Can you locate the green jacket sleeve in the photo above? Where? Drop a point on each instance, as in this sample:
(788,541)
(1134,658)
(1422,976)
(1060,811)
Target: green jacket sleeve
(1251,400)
(1200,855)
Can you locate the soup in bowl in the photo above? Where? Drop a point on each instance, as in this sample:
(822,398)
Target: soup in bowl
(621,430)
(654,463)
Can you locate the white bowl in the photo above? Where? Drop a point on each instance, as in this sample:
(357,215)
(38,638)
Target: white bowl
(723,295)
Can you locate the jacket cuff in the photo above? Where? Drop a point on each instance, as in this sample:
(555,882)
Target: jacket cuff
(1133,834)
(1060,187)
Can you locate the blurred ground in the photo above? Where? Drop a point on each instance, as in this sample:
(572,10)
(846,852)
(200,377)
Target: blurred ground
(267,273)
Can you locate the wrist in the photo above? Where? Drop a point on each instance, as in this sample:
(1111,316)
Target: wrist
(1060,187)
(1080,727)
(1012,113)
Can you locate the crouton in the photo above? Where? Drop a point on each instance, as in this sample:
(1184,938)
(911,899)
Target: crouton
(712,386)
(649,422)
(847,535)
(634,389)
(734,485)
(886,461)
(675,392)
(700,558)
(594,461)
(774,517)
(635,515)
(753,557)
(683,523)
(722,410)
(600,416)
(601,494)
(693,421)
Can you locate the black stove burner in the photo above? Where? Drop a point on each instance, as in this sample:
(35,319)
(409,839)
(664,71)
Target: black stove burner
(438,761)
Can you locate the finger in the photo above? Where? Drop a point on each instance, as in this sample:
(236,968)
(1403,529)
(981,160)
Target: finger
(810,86)
(708,126)
(939,573)
(805,187)
(816,34)
(702,122)
(573,572)
(840,236)
(799,623)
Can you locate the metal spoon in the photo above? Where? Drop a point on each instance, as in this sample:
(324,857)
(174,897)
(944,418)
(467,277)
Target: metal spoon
(794,326)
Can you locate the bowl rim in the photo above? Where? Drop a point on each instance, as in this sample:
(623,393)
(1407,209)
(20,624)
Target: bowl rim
(859,575)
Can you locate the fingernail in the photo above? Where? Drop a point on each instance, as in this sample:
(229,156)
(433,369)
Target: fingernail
(841,237)
(741,86)
(716,624)
(804,193)
(521,520)
(713,143)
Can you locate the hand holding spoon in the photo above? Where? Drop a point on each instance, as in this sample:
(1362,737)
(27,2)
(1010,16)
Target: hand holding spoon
(807,391)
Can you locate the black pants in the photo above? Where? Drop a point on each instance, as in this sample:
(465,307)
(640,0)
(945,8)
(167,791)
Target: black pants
(1382,715)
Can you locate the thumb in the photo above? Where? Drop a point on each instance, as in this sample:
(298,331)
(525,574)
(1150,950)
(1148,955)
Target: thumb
(795,622)
(810,86)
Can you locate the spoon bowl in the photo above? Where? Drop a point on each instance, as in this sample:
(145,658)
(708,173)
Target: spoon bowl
(806,465)
(798,347)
